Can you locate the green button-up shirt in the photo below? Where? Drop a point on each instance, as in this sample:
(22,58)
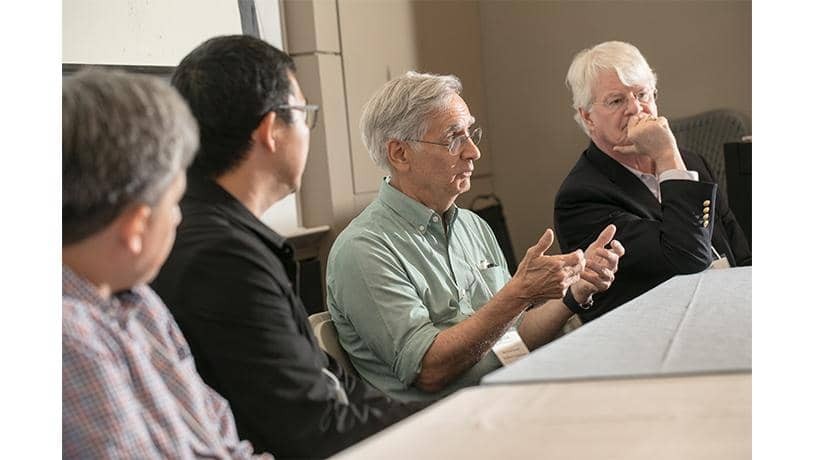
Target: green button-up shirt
(396,278)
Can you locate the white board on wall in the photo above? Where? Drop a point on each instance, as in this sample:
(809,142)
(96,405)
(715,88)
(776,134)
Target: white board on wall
(142,32)
(161,33)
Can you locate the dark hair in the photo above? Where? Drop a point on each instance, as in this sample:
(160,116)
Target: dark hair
(230,83)
(124,138)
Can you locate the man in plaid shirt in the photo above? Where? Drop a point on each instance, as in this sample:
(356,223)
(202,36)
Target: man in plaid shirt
(130,387)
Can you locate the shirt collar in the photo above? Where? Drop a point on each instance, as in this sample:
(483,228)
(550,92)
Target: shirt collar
(206,190)
(76,286)
(640,174)
(416,213)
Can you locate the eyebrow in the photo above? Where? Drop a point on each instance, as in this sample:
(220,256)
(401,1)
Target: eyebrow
(634,89)
(453,127)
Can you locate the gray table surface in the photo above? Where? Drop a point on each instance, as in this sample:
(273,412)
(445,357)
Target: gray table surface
(689,324)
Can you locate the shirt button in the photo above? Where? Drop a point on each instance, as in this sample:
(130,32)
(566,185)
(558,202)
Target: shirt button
(435,218)
(421,228)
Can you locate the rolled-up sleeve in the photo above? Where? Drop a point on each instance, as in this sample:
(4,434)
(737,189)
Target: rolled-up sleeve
(376,303)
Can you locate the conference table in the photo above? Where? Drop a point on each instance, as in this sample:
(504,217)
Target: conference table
(666,375)
(689,324)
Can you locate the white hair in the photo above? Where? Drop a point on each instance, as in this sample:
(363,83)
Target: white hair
(401,110)
(625,59)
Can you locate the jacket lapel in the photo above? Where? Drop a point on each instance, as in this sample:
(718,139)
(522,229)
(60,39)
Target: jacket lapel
(623,178)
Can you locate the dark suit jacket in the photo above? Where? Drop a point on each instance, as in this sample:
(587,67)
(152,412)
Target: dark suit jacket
(661,239)
(228,284)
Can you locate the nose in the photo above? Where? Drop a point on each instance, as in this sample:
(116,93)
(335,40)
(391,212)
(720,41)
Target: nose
(633,106)
(471,151)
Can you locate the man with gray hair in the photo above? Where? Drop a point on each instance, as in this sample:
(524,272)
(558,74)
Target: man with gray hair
(418,288)
(665,203)
(130,388)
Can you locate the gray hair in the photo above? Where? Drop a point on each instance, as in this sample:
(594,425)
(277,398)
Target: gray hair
(625,59)
(124,138)
(402,109)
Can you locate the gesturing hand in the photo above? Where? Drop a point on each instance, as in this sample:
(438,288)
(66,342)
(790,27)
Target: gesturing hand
(541,277)
(601,265)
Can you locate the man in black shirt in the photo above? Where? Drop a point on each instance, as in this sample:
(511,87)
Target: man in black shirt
(228,279)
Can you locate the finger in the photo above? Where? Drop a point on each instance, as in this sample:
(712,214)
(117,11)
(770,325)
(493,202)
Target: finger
(605,257)
(625,149)
(596,282)
(605,269)
(617,248)
(598,266)
(574,259)
(572,279)
(605,237)
(544,242)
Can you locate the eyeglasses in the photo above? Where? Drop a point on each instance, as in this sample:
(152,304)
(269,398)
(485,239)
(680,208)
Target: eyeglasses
(618,101)
(456,144)
(310,110)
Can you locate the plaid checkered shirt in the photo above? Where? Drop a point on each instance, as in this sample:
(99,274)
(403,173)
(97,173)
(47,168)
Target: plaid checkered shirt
(129,384)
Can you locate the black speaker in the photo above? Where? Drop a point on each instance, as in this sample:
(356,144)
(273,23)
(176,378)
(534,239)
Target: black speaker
(738,177)
(493,214)
(310,285)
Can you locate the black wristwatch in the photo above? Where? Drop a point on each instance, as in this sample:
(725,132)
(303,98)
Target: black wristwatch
(573,304)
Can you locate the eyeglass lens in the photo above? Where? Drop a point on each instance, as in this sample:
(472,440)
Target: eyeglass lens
(458,141)
(642,97)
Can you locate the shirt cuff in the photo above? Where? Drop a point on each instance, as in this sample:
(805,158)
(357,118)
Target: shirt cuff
(409,360)
(679,174)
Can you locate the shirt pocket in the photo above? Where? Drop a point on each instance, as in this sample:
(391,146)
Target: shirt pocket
(486,283)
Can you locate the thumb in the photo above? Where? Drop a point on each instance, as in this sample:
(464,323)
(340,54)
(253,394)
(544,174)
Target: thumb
(544,242)
(606,236)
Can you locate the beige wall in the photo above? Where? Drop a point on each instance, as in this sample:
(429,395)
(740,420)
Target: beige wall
(345,51)
(512,58)
(701,52)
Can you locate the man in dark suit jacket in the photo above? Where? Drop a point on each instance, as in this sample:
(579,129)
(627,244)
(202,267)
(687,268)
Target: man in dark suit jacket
(228,279)
(670,214)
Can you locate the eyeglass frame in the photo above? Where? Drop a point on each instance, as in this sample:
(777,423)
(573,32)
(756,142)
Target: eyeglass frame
(652,97)
(305,108)
(453,141)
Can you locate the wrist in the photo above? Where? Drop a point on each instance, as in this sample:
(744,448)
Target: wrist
(670,159)
(513,293)
(574,304)
(582,291)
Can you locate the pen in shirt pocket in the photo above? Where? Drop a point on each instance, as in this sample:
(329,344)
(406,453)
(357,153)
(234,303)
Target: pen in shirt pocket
(485,264)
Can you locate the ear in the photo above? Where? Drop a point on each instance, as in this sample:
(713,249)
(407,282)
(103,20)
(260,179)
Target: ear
(398,155)
(585,116)
(266,132)
(131,227)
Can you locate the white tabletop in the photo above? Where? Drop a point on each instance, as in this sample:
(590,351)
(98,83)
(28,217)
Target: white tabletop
(689,324)
(699,417)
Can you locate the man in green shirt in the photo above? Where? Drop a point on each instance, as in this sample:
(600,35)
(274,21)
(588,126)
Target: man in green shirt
(418,288)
